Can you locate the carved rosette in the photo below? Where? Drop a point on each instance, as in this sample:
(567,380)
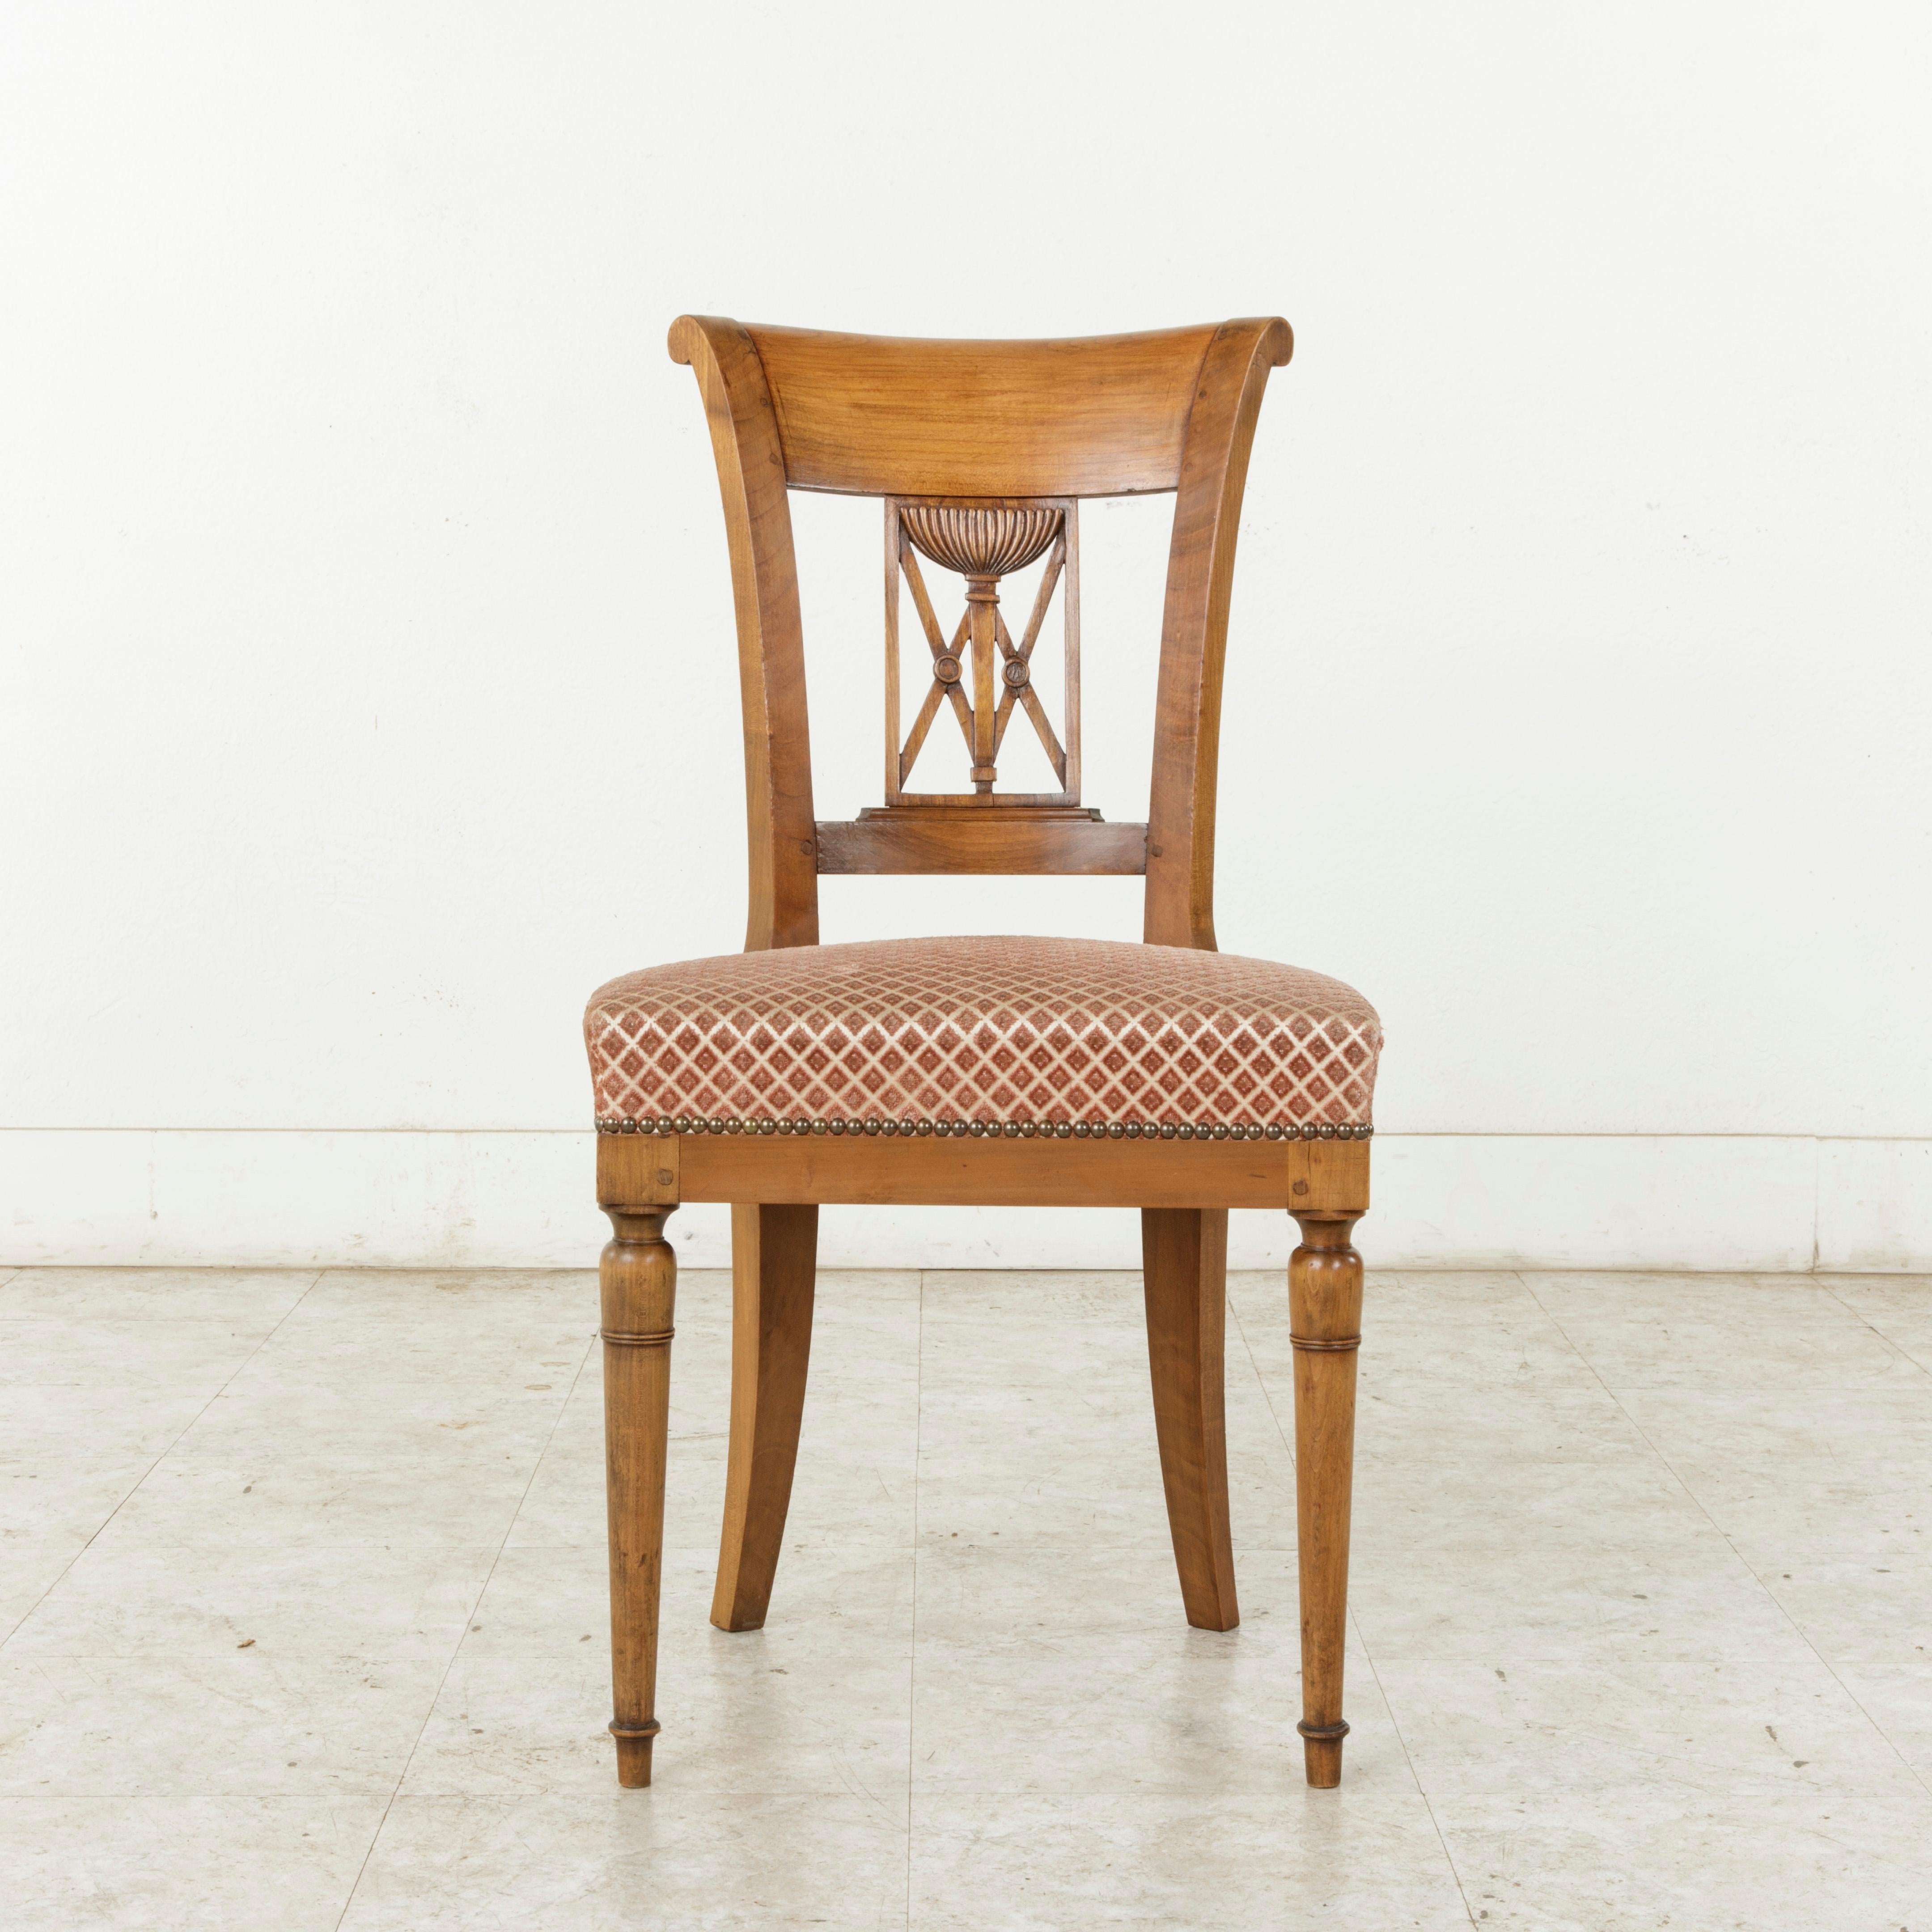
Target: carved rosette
(982,544)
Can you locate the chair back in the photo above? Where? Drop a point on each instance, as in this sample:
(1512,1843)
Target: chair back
(981,453)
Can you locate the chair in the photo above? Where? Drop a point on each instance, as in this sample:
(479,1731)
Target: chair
(1162,1075)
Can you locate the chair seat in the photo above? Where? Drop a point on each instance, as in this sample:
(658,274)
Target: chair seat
(1064,1036)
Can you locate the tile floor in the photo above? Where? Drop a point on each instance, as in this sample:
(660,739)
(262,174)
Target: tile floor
(302,1596)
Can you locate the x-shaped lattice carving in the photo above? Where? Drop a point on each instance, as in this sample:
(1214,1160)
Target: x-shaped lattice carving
(982,545)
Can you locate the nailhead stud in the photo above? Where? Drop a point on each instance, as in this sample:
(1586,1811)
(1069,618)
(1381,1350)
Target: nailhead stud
(1165,1130)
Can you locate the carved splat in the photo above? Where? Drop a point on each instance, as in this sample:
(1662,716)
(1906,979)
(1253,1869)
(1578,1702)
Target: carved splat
(978,671)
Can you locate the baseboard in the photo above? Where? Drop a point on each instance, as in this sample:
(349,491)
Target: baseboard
(201,1197)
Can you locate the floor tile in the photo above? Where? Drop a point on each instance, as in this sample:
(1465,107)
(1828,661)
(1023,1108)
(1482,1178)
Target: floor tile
(1895,1693)
(45,1428)
(670,1856)
(1678,1592)
(1725,1730)
(1404,1417)
(1043,1332)
(29,1568)
(264,1411)
(1076,1670)
(277,1460)
(515,1329)
(163,1863)
(1636,1859)
(1843,1472)
(1860,1609)
(245,1725)
(63,1498)
(202,1600)
(1039,1455)
(1401,1507)
(1051,1433)
(1641,1571)
(271,1496)
(1898,1306)
(1717,1331)
(250,1296)
(179,1356)
(1242,1861)
(71,1455)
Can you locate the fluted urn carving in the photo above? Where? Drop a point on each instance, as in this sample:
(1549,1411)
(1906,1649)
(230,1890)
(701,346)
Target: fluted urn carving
(977,543)
(981,672)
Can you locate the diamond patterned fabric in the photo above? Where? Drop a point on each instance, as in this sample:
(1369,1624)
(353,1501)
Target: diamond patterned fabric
(998,1031)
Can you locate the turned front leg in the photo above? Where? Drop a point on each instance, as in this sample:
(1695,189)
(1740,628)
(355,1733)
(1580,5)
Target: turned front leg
(638,1280)
(1324,1299)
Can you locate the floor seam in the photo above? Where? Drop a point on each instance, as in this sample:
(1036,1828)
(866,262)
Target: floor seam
(456,1650)
(1911,1770)
(1865,1322)
(175,1443)
(1395,1725)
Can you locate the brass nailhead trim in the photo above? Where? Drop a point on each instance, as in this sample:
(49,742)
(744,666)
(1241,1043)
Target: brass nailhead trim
(1341,1344)
(666,1124)
(1323,1730)
(660,1339)
(649,1728)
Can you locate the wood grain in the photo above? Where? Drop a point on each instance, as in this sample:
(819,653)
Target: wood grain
(994,1172)
(896,765)
(1062,839)
(1328,1177)
(999,1173)
(883,416)
(1184,1275)
(783,850)
(638,1279)
(1070,612)
(1180,909)
(638,1170)
(774,1260)
(1325,1296)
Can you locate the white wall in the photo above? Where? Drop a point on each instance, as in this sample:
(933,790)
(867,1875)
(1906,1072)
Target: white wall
(366,669)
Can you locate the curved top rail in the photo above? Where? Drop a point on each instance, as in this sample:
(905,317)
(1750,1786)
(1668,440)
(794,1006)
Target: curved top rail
(897,415)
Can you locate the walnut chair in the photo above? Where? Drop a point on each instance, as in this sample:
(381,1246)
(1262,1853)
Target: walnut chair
(1163,1075)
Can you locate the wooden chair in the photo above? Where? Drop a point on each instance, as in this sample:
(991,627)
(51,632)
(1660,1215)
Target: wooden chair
(1161,1076)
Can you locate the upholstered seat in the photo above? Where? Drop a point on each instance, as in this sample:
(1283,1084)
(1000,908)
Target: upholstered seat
(1063,1036)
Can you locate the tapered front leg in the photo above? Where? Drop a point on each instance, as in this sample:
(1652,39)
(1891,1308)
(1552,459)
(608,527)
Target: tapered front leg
(1324,1296)
(638,1279)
